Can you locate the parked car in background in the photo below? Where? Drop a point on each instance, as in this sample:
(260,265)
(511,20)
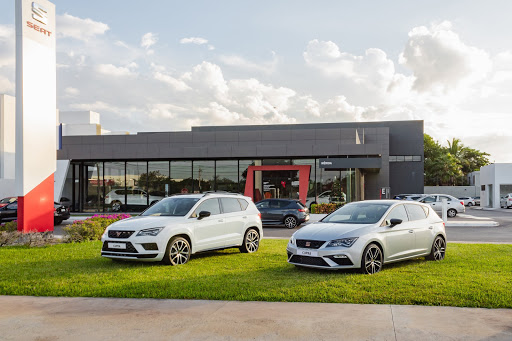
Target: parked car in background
(288,212)
(368,234)
(322,198)
(477,201)
(506,201)
(454,205)
(468,201)
(178,226)
(411,197)
(134,197)
(10,213)
(8,200)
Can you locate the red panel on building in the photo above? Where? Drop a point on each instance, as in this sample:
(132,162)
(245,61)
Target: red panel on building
(36,210)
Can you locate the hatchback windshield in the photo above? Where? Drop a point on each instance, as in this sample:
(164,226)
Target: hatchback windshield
(357,213)
(174,206)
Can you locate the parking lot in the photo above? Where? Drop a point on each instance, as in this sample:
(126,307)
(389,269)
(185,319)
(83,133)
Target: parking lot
(473,229)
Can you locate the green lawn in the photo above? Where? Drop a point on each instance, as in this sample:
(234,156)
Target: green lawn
(472,275)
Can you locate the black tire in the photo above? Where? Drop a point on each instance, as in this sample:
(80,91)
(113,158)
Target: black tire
(438,249)
(451,213)
(116,206)
(178,251)
(372,259)
(57,221)
(251,241)
(291,222)
(470,204)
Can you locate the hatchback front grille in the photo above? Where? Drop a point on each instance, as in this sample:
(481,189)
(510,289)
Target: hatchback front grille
(318,261)
(120,234)
(129,248)
(309,244)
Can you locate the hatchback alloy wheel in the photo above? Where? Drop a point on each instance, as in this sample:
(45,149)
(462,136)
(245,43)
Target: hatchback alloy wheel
(372,260)
(438,249)
(290,222)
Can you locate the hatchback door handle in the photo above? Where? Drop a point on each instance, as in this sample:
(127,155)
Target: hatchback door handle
(411,231)
(245,217)
(430,227)
(221,220)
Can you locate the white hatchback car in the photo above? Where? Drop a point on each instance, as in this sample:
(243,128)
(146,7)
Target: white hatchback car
(134,197)
(177,227)
(506,201)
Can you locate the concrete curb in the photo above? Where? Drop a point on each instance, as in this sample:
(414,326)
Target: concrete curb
(472,224)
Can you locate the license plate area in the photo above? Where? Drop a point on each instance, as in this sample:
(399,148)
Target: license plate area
(120,246)
(309,253)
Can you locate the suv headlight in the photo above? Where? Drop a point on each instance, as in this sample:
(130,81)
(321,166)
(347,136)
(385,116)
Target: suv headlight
(150,232)
(346,242)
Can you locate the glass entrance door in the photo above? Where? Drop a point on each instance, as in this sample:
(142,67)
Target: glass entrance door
(280,184)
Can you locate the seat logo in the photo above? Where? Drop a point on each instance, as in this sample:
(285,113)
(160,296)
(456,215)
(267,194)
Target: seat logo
(308,243)
(39,13)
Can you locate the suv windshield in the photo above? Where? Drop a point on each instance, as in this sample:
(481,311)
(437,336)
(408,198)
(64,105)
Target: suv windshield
(357,213)
(174,206)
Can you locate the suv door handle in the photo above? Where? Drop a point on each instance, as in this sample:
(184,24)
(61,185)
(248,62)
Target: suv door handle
(221,220)
(245,217)
(430,227)
(411,231)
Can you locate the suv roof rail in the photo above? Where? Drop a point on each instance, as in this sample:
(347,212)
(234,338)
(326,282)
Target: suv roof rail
(220,192)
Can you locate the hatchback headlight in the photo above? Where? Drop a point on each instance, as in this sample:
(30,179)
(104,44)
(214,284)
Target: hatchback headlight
(292,240)
(150,232)
(346,242)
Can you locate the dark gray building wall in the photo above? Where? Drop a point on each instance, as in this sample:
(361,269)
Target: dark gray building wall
(273,141)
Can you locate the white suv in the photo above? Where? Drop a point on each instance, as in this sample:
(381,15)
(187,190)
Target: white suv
(177,227)
(134,196)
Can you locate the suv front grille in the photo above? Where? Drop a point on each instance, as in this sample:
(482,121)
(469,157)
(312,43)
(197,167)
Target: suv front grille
(318,261)
(120,234)
(309,244)
(129,248)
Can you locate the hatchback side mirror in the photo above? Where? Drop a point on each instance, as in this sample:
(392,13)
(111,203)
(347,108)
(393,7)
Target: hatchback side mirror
(395,222)
(203,214)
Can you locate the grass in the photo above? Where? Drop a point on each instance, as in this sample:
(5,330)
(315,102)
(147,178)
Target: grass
(472,275)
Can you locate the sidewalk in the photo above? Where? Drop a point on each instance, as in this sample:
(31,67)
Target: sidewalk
(51,318)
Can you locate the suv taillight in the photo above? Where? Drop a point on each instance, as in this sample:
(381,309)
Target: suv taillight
(301,210)
(462,203)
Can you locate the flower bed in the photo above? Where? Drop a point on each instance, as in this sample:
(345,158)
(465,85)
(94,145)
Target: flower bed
(325,208)
(91,228)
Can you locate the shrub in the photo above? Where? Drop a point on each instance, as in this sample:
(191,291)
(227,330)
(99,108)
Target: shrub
(91,228)
(9,235)
(325,208)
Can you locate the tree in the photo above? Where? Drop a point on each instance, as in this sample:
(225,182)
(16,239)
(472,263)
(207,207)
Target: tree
(450,165)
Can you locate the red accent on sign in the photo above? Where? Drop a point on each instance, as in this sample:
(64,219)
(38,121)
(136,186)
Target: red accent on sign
(303,179)
(35,209)
(38,29)
(184,191)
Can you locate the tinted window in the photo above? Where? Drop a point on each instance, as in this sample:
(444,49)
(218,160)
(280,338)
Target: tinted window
(243,203)
(210,205)
(398,213)
(13,206)
(263,204)
(357,213)
(416,212)
(429,199)
(279,203)
(230,205)
(120,191)
(174,206)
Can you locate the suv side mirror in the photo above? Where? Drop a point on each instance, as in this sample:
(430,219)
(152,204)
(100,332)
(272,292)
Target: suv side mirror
(203,214)
(395,222)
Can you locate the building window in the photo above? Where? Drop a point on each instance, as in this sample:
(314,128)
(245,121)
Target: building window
(204,176)
(158,180)
(405,158)
(136,186)
(416,158)
(181,177)
(226,175)
(114,186)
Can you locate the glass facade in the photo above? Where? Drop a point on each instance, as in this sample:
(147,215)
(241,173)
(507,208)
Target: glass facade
(134,185)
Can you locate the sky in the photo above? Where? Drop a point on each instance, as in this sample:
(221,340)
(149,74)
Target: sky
(168,65)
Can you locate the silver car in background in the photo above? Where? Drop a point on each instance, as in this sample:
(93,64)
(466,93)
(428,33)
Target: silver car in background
(369,234)
(454,205)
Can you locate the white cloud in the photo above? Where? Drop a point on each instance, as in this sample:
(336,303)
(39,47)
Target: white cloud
(240,62)
(112,70)
(70,91)
(177,84)
(149,39)
(438,58)
(77,28)
(194,40)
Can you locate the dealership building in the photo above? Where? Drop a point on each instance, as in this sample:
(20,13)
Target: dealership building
(341,161)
